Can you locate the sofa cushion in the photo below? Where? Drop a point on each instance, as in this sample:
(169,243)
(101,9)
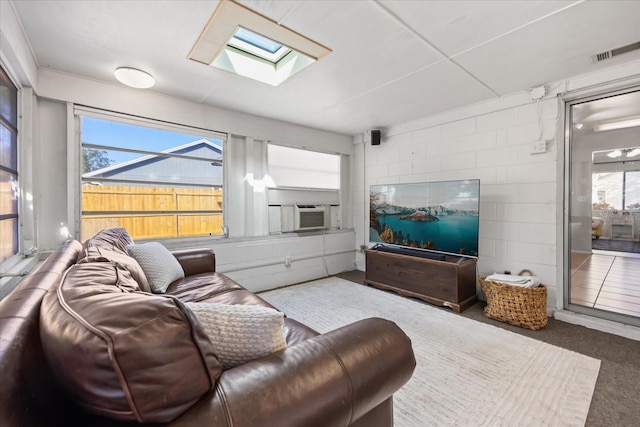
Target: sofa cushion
(201,287)
(241,333)
(159,265)
(115,239)
(110,244)
(122,353)
(98,254)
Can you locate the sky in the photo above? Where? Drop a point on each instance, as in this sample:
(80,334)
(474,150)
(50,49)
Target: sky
(115,134)
(452,194)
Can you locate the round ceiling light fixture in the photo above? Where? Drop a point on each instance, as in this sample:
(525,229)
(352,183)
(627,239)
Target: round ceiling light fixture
(134,77)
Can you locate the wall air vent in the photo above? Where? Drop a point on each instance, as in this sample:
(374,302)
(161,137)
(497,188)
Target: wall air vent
(607,54)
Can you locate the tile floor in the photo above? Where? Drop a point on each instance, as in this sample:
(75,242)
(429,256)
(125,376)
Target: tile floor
(606,282)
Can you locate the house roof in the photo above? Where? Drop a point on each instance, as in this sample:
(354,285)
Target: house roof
(143,161)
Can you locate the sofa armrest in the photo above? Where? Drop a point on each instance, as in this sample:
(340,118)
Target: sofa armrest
(331,379)
(196,261)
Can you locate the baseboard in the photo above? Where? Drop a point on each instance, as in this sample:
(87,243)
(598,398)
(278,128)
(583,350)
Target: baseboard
(603,325)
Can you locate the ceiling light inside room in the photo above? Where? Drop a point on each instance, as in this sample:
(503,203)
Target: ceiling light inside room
(627,152)
(134,78)
(633,152)
(243,42)
(619,124)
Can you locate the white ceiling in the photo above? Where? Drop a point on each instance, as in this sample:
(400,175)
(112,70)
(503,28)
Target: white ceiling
(392,61)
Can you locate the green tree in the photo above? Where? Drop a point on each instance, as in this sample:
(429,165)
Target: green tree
(93,159)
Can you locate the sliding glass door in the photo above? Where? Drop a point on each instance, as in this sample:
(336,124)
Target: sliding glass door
(603,206)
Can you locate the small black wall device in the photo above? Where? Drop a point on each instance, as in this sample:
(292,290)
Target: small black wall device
(375,137)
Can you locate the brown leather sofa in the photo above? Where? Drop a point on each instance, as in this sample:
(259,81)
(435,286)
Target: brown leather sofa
(346,377)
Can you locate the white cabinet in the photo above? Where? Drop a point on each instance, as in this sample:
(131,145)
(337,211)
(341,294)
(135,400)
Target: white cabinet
(622,227)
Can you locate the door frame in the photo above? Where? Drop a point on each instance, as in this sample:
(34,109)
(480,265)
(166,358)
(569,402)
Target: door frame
(586,314)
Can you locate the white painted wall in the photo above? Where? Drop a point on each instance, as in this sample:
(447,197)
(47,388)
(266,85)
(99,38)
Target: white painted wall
(146,103)
(50,174)
(521,198)
(15,53)
(517,188)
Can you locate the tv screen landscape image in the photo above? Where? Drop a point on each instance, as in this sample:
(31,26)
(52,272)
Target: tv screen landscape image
(438,216)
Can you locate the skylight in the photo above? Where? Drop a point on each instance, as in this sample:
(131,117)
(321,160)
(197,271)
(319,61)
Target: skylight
(256,64)
(243,42)
(259,42)
(260,46)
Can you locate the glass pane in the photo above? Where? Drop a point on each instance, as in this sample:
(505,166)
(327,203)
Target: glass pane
(8,193)
(137,198)
(134,137)
(9,241)
(152,212)
(155,226)
(602,232)
(168,183)
(8,99)
(8,148)
(607,191)
(99,164)
(291,167)
(257,40)
(632,190)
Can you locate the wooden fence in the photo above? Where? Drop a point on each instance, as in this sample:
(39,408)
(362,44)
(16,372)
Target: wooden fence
(151,212)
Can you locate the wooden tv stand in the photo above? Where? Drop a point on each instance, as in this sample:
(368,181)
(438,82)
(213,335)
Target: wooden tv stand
(448,283)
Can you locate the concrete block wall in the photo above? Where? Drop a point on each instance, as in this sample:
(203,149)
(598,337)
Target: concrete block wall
(518,189)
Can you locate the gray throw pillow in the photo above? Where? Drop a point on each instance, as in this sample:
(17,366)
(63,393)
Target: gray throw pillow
(240,333)
(160,267)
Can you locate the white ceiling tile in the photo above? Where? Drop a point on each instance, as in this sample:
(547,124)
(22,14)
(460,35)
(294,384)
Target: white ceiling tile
(455,26)
(438,88)
(379,73)
(555,48)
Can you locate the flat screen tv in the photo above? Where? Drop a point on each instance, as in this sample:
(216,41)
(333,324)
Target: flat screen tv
(438,217)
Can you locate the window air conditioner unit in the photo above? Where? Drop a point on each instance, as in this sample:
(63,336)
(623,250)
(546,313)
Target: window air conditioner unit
(309,217)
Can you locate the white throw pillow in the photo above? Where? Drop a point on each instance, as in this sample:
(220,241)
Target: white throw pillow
(159,265)
(240,333)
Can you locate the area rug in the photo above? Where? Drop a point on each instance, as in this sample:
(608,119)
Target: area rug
(615,245)
(468,373)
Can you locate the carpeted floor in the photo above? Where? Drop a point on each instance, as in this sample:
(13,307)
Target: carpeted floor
(468,373)
(616,398)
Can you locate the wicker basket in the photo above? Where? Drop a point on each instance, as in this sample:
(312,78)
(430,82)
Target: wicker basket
(519,306)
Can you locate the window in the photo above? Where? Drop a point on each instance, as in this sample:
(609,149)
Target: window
(156,180)
(305,191)
(632,190)
(9,189)
(293,167)
(258,45)
(256,63)
(616,190)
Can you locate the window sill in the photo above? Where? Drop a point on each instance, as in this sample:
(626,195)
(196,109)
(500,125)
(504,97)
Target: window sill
(13,271)
(208,241)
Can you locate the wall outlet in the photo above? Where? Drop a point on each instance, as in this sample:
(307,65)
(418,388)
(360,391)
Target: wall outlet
(287,261)
(539,147)
(538,92)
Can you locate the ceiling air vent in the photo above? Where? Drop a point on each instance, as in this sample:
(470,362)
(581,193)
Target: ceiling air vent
(615,52)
